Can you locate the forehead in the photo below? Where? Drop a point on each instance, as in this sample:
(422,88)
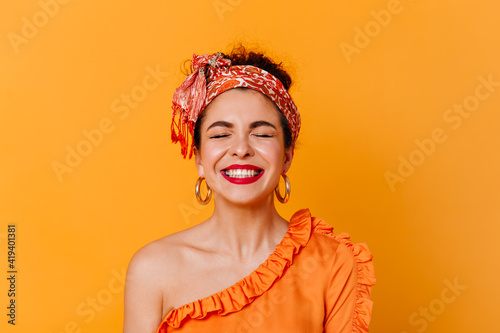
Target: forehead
(241,105)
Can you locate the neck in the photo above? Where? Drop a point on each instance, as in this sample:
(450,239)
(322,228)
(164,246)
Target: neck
(244,230)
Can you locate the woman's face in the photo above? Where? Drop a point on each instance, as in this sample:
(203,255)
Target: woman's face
(241,129)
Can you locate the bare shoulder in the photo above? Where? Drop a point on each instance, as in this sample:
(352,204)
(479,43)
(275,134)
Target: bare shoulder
(153,275)
(147,262)
(161,257)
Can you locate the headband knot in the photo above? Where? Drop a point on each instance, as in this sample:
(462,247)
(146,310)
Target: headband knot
(212,75)
(215,61)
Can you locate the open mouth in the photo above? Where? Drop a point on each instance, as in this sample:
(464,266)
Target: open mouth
(241,173)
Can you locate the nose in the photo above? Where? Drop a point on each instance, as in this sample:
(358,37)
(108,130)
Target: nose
(241,146)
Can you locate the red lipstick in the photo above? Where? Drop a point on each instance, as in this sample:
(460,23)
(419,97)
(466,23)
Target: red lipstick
(243,180)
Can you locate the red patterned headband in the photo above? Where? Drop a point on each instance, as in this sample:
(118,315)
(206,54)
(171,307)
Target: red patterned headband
(214,75)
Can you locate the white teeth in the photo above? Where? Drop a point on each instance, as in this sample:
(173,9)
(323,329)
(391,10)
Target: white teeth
(241,173)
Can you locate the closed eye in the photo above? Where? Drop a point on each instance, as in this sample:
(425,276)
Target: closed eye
(224,135)
(219,136)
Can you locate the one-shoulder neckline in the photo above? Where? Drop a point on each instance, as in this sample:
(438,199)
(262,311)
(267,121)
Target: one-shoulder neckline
(247,289)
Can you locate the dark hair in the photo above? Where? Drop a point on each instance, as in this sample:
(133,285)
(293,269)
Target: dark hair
(240,56)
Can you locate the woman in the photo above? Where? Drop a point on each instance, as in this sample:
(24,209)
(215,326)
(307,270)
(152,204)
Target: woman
(245,269)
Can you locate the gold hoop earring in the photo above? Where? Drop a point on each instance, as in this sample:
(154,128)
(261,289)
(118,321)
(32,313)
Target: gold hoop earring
(287,190)
(198,194)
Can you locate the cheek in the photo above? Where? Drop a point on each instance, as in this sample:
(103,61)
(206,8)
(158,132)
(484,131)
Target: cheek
(211,152)
(274,153)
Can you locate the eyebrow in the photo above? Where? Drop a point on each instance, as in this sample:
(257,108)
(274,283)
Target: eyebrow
(253,125)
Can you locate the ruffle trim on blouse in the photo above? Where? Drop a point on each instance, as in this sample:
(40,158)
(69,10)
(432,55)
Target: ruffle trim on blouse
(259,281)
(365,273)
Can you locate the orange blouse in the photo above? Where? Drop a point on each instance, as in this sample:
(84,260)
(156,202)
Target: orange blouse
(314,281)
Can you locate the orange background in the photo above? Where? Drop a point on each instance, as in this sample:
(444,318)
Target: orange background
(379,85)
